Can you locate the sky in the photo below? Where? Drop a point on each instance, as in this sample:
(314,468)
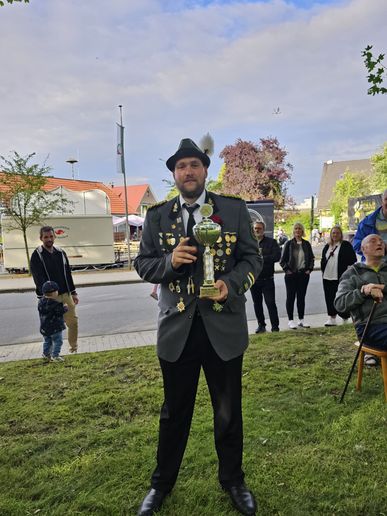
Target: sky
(182,68)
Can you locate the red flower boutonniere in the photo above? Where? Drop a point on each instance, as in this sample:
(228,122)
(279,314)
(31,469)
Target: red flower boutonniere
(217,220)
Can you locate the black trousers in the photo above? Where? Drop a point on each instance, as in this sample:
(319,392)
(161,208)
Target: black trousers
(180,386)
(296,285)
(330,289)
(265,288)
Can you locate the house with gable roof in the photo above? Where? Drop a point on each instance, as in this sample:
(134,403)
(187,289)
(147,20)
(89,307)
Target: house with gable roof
(140,197)
(333,171)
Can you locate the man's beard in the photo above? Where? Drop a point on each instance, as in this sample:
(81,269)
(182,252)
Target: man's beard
(191,194)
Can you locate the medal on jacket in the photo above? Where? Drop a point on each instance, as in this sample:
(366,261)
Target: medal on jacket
(217,307)
(180,305)
(190,286)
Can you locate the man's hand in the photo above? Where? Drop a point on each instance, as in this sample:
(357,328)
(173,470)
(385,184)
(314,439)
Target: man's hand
(75,298)
(183,254)
(221,285)
(375,290)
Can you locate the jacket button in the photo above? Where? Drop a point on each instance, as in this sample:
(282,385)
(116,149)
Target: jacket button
(190,316)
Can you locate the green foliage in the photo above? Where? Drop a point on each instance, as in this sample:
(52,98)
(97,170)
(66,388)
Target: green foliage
(379,162)
(216,185)
(351,185)
(287,223)
(377,71)
(81,437)
(23,197)
(12,1)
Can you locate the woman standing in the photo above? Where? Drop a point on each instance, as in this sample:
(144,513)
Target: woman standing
(297,261)
(336,257)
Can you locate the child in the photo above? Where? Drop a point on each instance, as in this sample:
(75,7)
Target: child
(51,322)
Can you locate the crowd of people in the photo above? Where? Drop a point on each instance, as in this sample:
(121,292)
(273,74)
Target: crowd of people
(296,258)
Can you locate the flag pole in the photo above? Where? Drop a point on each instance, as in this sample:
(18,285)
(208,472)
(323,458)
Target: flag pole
(125,190)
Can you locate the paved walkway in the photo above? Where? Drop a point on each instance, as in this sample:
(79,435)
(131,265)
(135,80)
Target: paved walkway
(120,340)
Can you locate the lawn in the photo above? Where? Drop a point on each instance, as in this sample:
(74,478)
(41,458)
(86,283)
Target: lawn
(80,437)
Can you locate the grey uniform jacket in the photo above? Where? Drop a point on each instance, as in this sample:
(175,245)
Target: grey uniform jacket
(350,299)
(237,262)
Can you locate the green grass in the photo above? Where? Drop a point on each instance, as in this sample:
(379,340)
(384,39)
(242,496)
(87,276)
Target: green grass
(80,438)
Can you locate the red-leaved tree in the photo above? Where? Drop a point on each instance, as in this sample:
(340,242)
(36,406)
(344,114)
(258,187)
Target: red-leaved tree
(256,171)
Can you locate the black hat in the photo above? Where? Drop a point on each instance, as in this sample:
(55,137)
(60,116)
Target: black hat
(49,286)
(187,149)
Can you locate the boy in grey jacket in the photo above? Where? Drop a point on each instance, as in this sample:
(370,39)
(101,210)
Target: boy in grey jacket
(360,286)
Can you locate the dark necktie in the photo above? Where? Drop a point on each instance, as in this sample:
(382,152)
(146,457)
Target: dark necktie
(191,222)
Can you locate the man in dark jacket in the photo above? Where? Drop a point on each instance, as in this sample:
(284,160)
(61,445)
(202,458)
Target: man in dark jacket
(50,263)
(264,285)
(195,332)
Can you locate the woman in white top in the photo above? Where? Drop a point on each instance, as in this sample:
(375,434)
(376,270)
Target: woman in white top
(337,256)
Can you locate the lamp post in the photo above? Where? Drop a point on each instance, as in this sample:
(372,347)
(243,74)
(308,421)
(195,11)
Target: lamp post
(72,161)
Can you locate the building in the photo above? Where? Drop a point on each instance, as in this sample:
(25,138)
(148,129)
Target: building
(333,171)
(140,197)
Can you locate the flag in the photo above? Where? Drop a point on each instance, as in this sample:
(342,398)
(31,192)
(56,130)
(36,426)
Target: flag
(120,149)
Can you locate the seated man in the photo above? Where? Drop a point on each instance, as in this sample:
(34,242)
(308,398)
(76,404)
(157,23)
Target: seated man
(360,285)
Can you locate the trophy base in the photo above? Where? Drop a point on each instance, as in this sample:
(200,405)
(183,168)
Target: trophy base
(209,291)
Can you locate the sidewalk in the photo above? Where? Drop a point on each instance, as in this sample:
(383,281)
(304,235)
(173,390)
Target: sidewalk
(22,283)
(122,340)
(10,283)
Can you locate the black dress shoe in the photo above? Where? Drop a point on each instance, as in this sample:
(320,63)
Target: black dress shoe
(260,329)
(242,499)
(275,328)
(152,502)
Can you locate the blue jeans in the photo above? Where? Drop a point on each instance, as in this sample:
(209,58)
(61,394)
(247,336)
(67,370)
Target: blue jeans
(53,344)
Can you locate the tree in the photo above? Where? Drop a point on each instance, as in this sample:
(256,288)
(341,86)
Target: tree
(377,71)
(216,185)
(256,171)
(379,162)
(351,185)
(12,1)
(23,197)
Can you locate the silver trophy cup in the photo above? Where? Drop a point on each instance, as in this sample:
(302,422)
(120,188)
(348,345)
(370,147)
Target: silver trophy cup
(207,233)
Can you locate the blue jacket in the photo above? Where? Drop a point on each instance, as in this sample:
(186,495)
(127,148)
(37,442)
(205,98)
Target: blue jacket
(367,226)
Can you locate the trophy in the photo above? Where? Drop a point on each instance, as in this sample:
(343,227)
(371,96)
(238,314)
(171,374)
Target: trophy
(207,233)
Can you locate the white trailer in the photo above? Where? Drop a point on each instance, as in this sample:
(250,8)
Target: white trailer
(86,239)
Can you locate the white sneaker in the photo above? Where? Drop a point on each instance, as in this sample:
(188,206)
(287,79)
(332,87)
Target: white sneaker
(370,360)
(302,324)
(292,325)
(331,322)
(58,360)
(347,321)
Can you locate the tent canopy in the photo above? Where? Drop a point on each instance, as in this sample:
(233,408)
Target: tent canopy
(134,220)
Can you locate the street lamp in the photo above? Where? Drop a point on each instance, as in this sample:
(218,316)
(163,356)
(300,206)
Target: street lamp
(72,161)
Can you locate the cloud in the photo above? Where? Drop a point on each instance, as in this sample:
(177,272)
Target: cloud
(182,68)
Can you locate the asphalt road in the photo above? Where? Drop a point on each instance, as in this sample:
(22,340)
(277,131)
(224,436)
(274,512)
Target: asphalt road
(105,310)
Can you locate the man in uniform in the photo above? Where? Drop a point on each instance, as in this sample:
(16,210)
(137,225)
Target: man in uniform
(198,332)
